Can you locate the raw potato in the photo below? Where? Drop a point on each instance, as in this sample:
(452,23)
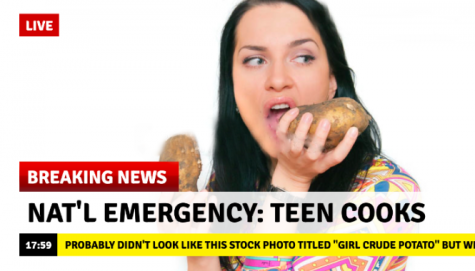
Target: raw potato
(343,113)
(184,149)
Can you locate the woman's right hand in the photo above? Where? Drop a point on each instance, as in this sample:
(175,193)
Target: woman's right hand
(203,263)
(296,166)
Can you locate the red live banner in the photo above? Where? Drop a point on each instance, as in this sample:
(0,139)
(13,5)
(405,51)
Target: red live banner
(98,176)
(39,25)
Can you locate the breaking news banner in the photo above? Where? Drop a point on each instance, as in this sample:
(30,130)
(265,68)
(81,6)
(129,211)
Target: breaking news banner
(237,135)
(98,176)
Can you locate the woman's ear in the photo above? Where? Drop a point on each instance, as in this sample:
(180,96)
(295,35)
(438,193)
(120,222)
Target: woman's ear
(332,87)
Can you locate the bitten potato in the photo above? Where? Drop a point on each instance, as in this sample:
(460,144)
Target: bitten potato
(184,149)
(343,113)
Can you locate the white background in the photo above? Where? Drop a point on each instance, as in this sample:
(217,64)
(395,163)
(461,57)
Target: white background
(125,75)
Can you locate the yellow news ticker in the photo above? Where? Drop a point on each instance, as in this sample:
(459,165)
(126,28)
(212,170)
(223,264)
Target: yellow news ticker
(266,244)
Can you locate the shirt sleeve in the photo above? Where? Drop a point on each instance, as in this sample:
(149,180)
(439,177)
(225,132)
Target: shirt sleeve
(385,176)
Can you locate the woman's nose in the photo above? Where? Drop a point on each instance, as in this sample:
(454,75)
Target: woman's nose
(278,78)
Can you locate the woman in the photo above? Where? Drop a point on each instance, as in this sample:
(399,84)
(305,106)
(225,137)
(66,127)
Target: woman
(276,55)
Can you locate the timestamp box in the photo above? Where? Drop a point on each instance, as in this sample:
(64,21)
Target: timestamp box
(38,244)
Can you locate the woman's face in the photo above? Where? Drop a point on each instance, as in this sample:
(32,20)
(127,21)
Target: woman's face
(279,62)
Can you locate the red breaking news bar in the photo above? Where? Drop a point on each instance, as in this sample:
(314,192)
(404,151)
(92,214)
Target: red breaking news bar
(99,176)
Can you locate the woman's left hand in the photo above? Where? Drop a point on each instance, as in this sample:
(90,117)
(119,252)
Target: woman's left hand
(190,198)
(296,166)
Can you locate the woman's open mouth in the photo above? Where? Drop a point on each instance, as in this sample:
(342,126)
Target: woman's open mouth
(275,108)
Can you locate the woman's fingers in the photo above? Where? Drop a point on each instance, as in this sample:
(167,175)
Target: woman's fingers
(199,198)
(339,154)
(165,197)
(190,198)
(165,226)
(184,197)
(284,123)
(300,135)
(318,142)
(190,227)
(313,160)
(204,227)
(187,197)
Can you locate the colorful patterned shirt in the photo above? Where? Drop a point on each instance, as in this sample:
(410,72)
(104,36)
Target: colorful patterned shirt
(381,176)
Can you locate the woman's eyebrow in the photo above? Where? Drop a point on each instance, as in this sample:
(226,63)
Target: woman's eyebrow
(301,41)
(292,44)
(253,47)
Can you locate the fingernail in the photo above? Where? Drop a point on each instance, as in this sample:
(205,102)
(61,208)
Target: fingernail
(307,118)
(325,124)
(293,111)
(354,132)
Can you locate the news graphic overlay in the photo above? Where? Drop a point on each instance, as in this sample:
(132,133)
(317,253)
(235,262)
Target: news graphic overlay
(39,25)
(249,244)
(98,176)
(175,223)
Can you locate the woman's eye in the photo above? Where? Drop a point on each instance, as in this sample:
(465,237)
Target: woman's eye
(305,59)
(254,61)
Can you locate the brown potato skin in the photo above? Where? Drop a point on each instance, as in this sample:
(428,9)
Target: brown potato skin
(184,149)
(343,113)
